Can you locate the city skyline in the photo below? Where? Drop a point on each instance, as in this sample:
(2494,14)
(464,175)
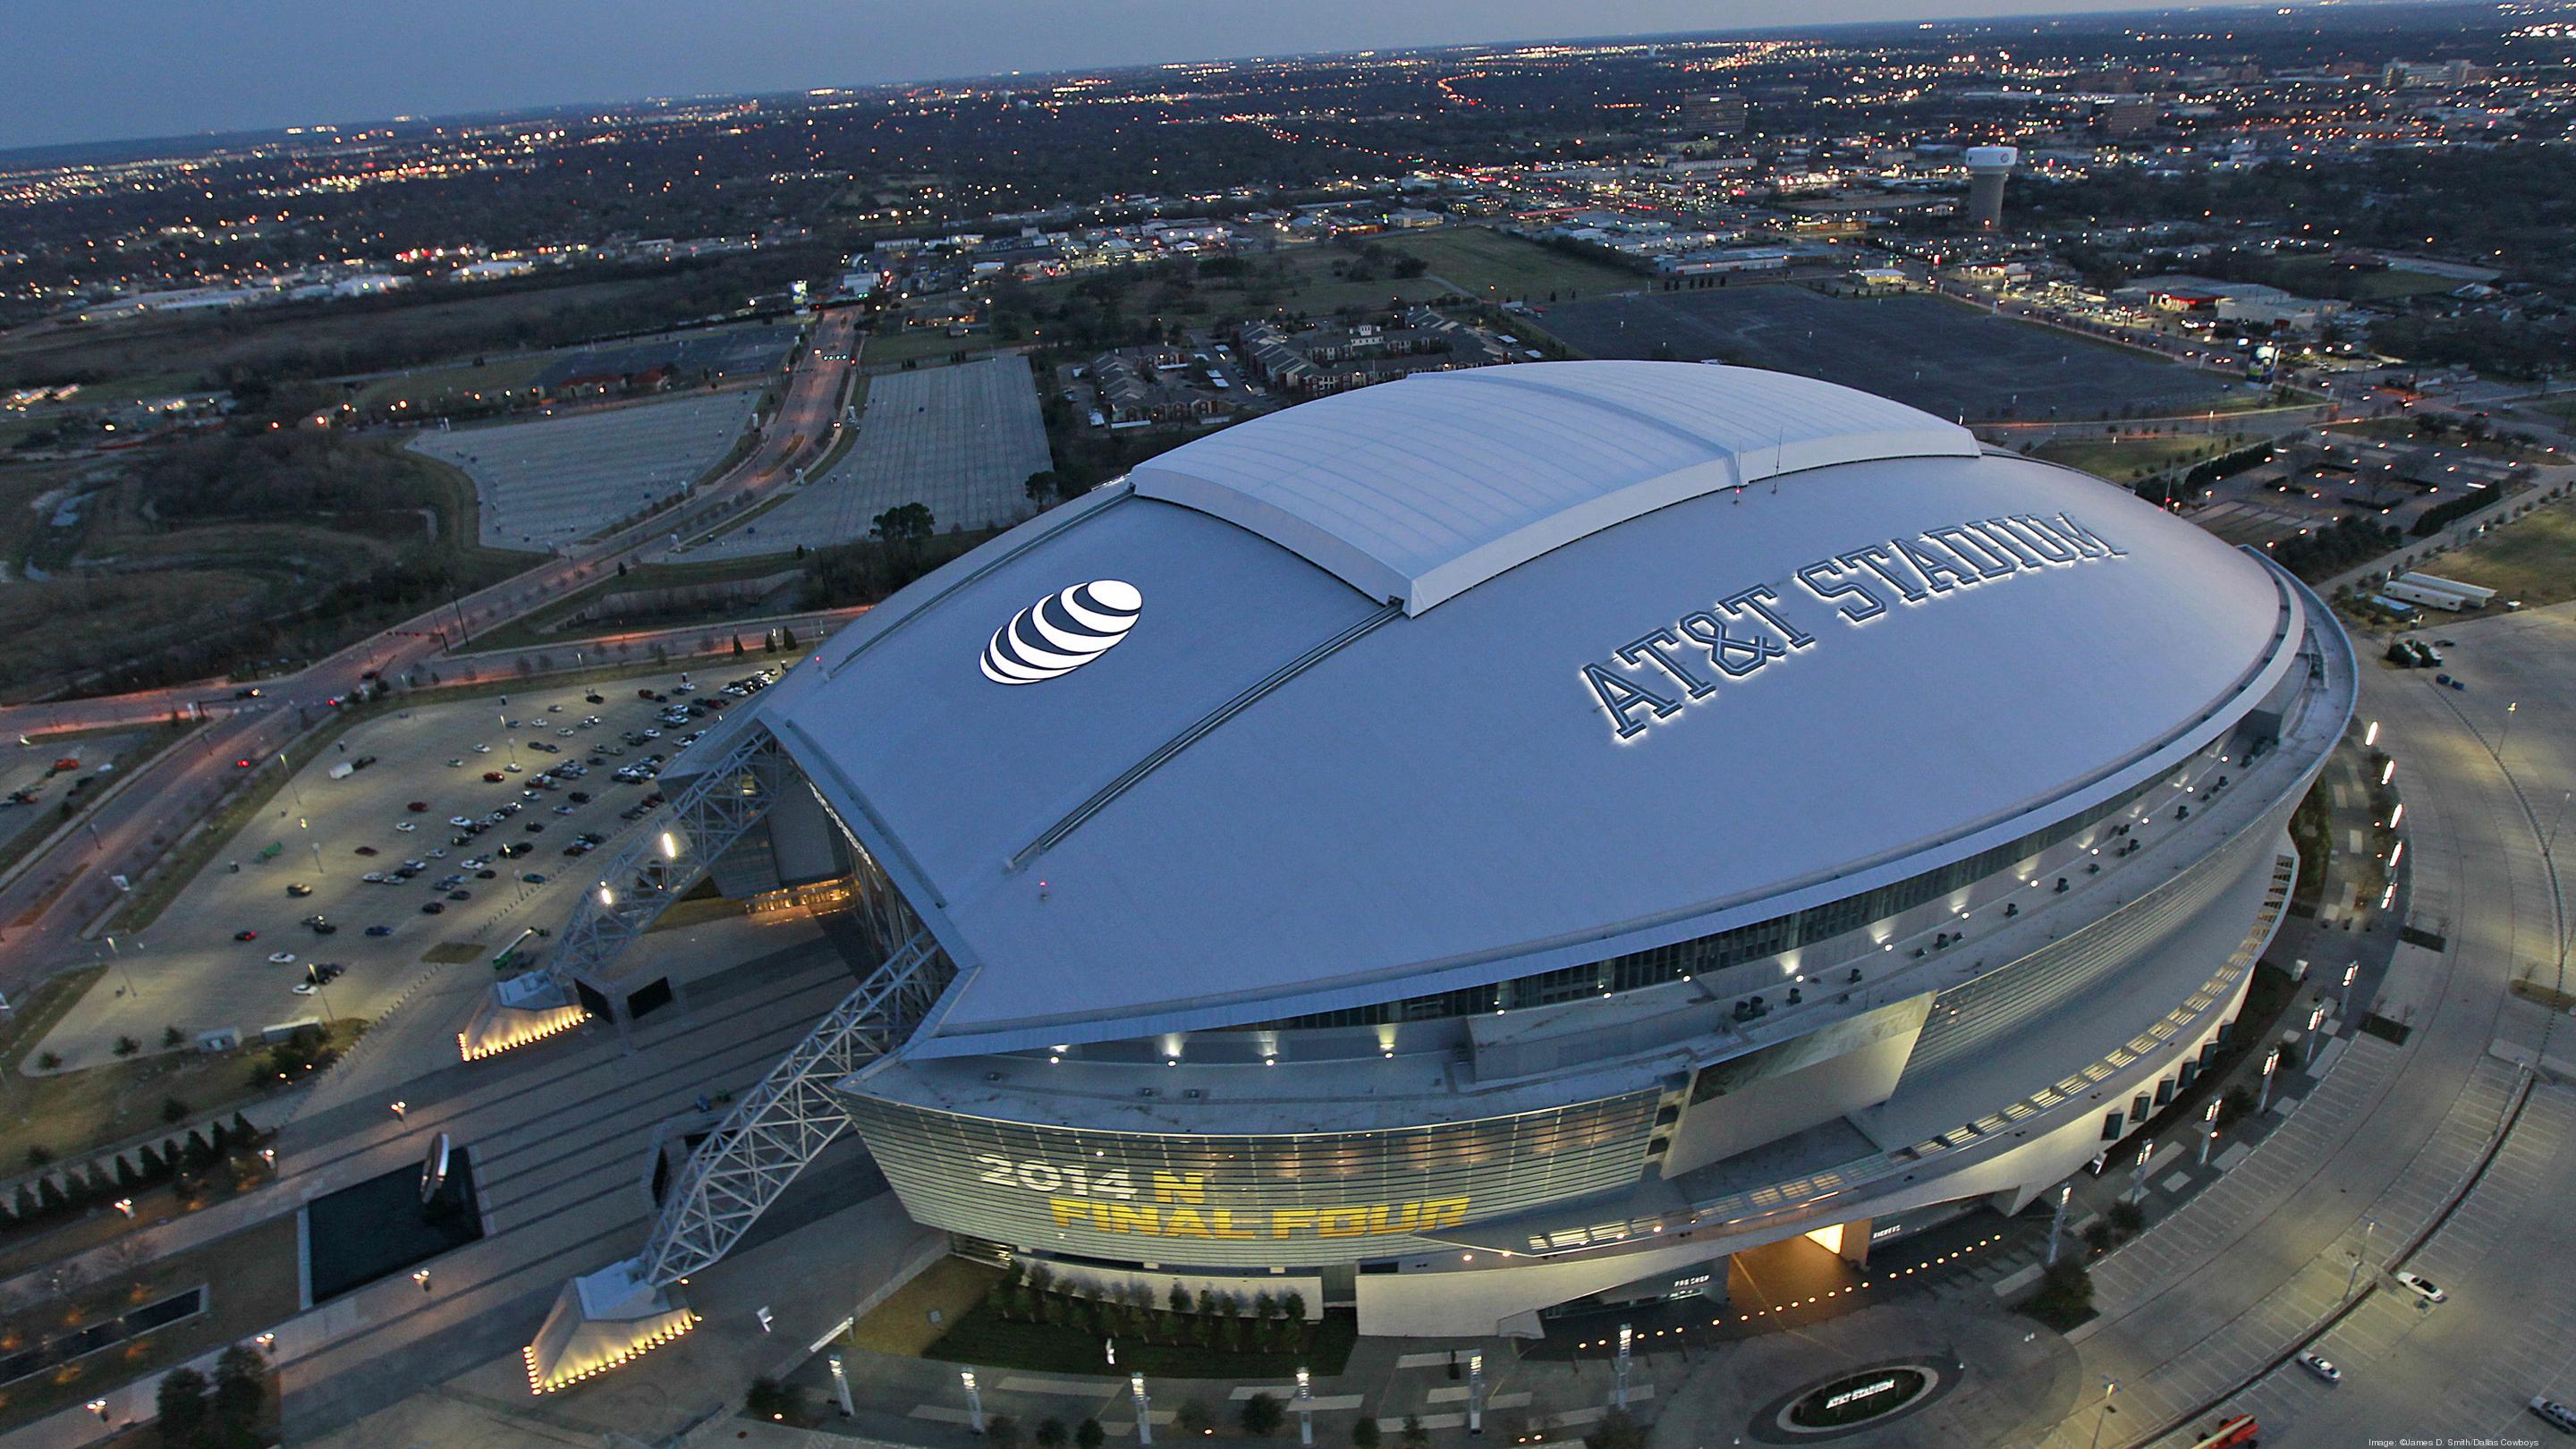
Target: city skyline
(306,64)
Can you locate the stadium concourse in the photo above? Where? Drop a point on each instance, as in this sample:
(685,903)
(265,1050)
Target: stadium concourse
(1495,843)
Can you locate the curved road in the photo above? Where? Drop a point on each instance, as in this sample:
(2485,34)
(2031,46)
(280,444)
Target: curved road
(49,898)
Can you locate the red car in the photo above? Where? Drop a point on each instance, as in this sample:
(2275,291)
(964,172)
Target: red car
(245,935)
(495,776)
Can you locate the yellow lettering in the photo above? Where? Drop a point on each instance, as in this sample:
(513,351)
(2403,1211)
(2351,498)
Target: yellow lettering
(1444,1212)
(1066,1209)
(1185,1222)
(1342,1222)
(1119,1217)
(1285,1219)
(1224,1226)
(1382,1218)
(1180,1187)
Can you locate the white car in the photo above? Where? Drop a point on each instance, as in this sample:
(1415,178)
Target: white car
(459,821)
(457,763)
(281,958)
(304,988)
(405,826)
(2421,1286)
(2321,1366)
(2556,1415)
(482,749)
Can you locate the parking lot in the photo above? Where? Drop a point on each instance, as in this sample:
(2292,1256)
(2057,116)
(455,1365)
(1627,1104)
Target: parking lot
(962,440)
(1937,355)
(477,820)
(559,479)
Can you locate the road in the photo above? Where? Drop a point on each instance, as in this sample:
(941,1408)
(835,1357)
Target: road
(44,906)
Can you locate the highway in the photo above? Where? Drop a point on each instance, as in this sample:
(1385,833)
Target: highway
(47,901)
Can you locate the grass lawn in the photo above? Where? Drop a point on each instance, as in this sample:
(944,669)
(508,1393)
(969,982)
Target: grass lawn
(1494,266)
(901,1325)
(251,1282)
(537,627)
(893,344)
(2532,559)
(984,1338)
(71,1113)
(2316,277)
(431,387)
(2128,459)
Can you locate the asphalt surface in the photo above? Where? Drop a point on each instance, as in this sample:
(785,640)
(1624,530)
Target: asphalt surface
(49,900)
(189,970)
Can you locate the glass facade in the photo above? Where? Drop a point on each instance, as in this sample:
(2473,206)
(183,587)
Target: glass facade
(1287,1200)
(1721,949)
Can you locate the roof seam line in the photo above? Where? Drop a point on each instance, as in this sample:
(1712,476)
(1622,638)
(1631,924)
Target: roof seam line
(1182,741)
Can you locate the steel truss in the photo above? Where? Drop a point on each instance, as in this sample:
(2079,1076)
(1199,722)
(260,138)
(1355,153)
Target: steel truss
(704,819)
(785,1122)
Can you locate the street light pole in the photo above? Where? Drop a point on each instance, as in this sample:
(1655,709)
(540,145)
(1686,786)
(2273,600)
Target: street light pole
(2110,1386)
(1305,1409)
(2263,1102)
(1144,1409)
(974,1401)
(1627,1341)
(2057,1220)
(2209,1120)
(2370,1229)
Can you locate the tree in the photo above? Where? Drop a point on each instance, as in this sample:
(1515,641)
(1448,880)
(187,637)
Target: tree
(171,1039)
(126,1046)
(173,1111)
(1192,1417)
(127,1179)
(1002,1432)
(1052,1434)
(1292,1306)
(1180,1299)
(1364,1434)
(1413,1432)
(1618,1431)
(767,1398)
(903,523)
(737,646)
(241,1386)
(181,1404)
(154,1166)
(25,1208)
(786,638)
(50,1061)
(1089,1435)
(244,1133)
(2127,1216)
(1262,1416)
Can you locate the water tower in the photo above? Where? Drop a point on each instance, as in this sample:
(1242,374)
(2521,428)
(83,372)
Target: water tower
(1987,168)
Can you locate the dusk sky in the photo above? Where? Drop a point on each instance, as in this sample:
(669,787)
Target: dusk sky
(86,70)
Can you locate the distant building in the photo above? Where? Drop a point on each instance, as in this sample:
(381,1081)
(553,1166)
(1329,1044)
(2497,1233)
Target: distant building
(1719,113)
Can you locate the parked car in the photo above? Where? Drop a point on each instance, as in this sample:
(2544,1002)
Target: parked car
(380,930)
(299,890)
(431,908)
(2319,1365)
(2556,1415)
(245,935)
(2421,1286)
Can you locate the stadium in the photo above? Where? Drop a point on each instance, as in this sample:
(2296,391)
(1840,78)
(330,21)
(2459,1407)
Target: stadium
(1511,839)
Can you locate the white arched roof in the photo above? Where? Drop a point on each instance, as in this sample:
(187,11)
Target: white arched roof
(1417,491)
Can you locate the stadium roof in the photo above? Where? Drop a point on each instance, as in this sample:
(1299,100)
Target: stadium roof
(1278,793)
(1417,492)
